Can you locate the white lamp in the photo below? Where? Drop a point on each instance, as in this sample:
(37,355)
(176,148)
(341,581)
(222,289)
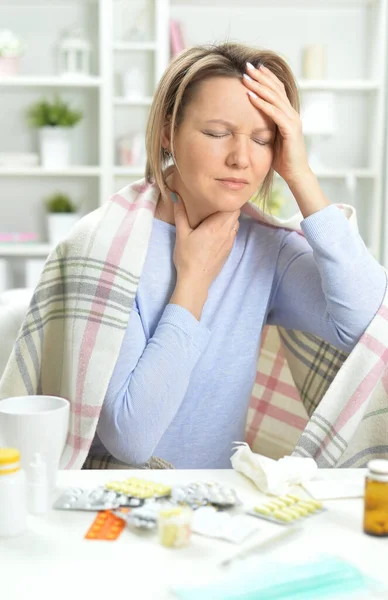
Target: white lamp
(318,120)
(74,55)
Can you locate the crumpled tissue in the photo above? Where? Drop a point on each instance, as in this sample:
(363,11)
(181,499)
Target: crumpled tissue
(271,476)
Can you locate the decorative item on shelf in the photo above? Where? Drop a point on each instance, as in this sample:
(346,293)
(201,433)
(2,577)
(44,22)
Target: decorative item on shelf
(54,121)
(132,150)
(314,62)
(134,84)
(137,31)
(62,214)
(14,160)
(11,49)
(318,121)
(176,38)
(74,55)
(18,237)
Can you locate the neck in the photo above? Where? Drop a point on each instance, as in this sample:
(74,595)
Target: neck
(165,208)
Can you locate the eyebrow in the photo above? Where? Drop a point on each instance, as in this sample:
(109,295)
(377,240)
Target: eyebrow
(232,126)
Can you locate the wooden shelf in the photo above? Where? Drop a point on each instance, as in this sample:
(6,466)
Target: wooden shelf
(50,81)
(310,4)
(122,101)
(129,171)
(355,85)
(344,173)
(31,250)
(134,46)
(40,172)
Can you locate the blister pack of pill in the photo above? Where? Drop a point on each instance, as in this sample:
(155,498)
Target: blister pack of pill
(141,489)
(198,494)
(285,510)
(96,499)
(146,516)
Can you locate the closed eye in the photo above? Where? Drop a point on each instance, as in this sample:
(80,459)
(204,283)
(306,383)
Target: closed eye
(216,135)
(261,142)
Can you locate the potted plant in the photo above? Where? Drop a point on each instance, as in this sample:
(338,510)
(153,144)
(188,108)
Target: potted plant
(62,214)
(11,48)
(54,121)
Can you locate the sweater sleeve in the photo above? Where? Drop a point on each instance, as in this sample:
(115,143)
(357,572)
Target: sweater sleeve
(149,382)
(327,283)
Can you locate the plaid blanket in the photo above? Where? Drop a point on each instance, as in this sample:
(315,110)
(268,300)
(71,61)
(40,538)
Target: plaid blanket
(309,398)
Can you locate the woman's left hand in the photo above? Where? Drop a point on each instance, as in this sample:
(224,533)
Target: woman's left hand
(269,96)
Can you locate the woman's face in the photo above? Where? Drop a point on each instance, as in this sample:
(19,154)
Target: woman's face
(223,148)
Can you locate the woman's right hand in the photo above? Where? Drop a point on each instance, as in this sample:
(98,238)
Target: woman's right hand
(200,254)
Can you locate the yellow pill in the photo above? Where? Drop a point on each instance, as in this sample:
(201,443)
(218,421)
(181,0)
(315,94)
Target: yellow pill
(271,506)
(279,503)
(293,512)
(282,515)
(293,497)
(303,512)
(262,510)
(317,505)
(308,506)
(287,501)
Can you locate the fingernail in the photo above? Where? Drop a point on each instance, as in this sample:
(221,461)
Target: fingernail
(174,197)
(247,77)
(250,66)
(252,94)
(259,65)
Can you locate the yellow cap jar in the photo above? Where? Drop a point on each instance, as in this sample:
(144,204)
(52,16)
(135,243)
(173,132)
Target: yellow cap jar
(13,509)
(376,499)
(9,461)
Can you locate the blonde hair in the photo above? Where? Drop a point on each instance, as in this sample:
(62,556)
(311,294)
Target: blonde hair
(179,83)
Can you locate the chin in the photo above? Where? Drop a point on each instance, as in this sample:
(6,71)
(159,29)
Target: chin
(234,199)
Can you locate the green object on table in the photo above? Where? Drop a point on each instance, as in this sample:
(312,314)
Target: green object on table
(326,577)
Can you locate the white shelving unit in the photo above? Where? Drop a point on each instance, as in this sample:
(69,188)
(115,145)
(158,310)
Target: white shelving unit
(135,46)
(95,174)
(152,55)
(50,81)
(355,32)
(76,171)
(146,101)
(21,250)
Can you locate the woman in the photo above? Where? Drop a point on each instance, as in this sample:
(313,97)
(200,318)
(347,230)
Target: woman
(226,117)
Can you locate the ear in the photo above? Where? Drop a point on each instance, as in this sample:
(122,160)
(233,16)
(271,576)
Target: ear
(165,137)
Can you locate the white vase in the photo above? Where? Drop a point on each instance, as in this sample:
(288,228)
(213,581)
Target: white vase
(54,147)
(59,225)
(9,66)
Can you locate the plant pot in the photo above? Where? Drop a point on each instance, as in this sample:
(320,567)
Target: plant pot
(59,225)
(9,66)
(54,147)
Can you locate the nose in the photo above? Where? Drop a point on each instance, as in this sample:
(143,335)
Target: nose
(238,155)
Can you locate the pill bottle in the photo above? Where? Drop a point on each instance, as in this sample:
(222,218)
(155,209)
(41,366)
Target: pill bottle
(174,526)
(37,486)
(13,509)
(376,499)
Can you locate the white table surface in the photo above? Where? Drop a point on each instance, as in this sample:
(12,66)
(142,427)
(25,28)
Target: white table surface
(52,559)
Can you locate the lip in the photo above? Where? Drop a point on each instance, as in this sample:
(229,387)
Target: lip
(233,183)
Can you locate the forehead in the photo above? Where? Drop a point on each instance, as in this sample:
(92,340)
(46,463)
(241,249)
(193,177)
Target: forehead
(225,98)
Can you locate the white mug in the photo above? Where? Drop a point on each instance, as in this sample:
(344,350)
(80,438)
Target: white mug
(35,424)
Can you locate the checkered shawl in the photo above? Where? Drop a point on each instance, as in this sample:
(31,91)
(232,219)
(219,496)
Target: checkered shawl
(309,398)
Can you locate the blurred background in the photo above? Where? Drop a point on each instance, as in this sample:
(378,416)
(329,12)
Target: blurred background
(77,78)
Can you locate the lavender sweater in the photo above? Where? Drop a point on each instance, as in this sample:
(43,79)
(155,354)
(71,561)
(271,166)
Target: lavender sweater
(181,388)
